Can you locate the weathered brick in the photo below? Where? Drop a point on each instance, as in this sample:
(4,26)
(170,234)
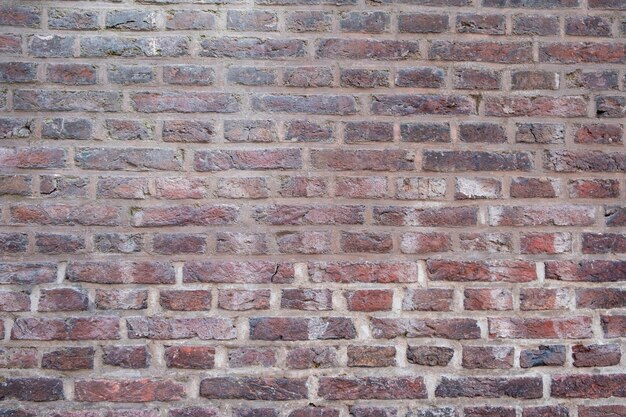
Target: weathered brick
(542,215)
(69,359)
(184,215)
(306,299)
(71,328)
(490,387)
(455,329)
(540,328)
(481,51)
(116,46)
(543,299)
(429,355)
(134,357)
(51,46)
(128,390)
(190,20)
(252,48)
(588,386)
(252,272)
(364,78)
(487,299)
(185,300)
(190,357)
(368,388)
(596,355)
(486,24)
(369,300)
(367,49)
(103,272)
(487,357)
(223,160)
(251,21)
(291,328)
(544,355)
(423,23)
(13,301)
(72,19)
(254,388)
(586,270)
(210,328)
(32,389)
(538,106)
(48,100)
(582,52)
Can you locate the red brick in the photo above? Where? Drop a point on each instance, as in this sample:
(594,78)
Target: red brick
(588,386)
(250,272)
(13,301)
(543,299)
(69,359)
(369,300)
(241,300)
(428,299)
(586,270)
(126,272)
(389,50)
(455,329)
(17,357)
(371,356)
(306,299)
(372,388)
(536,106)
(287,328)
(184,215)
(32,389)
(249,356)
(190,357)
(602,410)
(550,355)
(490,387)
(582,52)
(128,390)
(613,326)
(428,217)
(185,300)
(487,357)
(550,243)
(251,388)
(486,271)
(600,298)
(210,328)
(596,355)
(420,243)
(315,357)
(71,328)
(362,160)
(429,355)
(542,215)
(27,273)
(349,272)
(63,299)
(422,23)
(481,51)
(487,299)
(133,357)
(540,328)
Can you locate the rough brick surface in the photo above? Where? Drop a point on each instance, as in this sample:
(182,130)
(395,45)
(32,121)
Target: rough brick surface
(312,208)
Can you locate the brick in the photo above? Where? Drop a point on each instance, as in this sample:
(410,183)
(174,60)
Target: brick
(363,411)
(131,357)
(16,128)
(51,46)
(13,301)
(420,188)
(313,411)
(496,299)
(121,300)
(63,299)
(361,187)
(431,299)
(252,48)
(535,4)
(407,104)
(61,128)
(242,300)
(130,74)
(304,242)
(69,359)
(481,51)
(241,243)
(588,386)
(255,412)
(243,272)
(558,215)
(10,44)
(487,357)
(223,160)
(534,80)
(475,78)
(369,300)
(593,188)
(586,270)
(306,299)
(118,242)
(346,272)
(365,242)
(422,23)
(367,49)
(481,24)
(429,355)
(18,72)
(476,161)
(600,298)
(116,46)
(249,356)
(299,186)
(488,411)
(251,76)
(364,78)
(32,389)
(477,188)
(540,328)
(128,390)
(481,271)
(581,52)
(185,103)
(13,242)
(429,217)
(596,355)
(538,25)
(184,215)
(368,388)
(615,216)
(70,328)
(539,133)
(130,20)
(601,134)
(189,20)
(613,326)
(190,357)
(490,387)
(72,19)
(454,329)
(122,187)
(486,242)
(538,106)
(364,159)
(552,243)
(308,131)
(522,187)
(131,272)
(419,243)
(308,215)
(210,328)
(251,388)
(544,355)
(185,300)
(65,215)
(371,356)
(251,21)
(592,80)
(544,299)
(315,357)
(601,410)
(18,15)
(603,243)
(588,26)
(308,21)
(118,129)
(48,100)
(27,273)
(610,106)
(58,186)
(291,328)
(243,188)
(187,131)
(16,357)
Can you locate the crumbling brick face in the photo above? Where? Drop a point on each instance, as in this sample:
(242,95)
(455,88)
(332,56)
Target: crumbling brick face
(312,208)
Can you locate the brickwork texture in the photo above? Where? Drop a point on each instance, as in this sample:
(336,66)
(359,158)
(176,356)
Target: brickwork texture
(312,208)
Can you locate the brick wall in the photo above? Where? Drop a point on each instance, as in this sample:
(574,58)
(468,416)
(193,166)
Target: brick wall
(312,208)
